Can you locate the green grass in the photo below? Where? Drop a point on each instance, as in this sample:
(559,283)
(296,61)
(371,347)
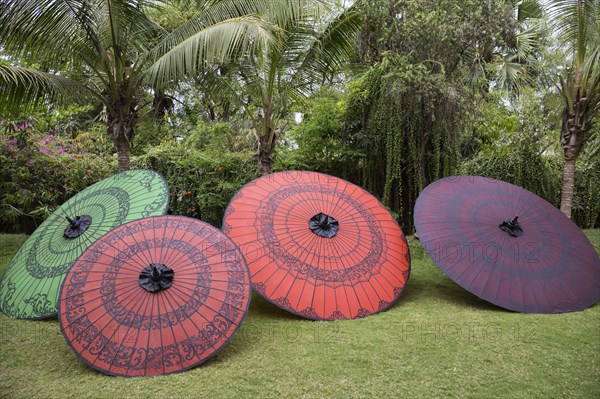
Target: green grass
(438,341)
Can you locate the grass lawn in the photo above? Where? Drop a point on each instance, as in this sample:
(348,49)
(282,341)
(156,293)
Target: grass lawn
(438,341)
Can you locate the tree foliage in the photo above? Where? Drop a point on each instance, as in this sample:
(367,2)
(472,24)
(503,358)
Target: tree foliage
(407,110)
(315,142)
(418,95)
(111,51)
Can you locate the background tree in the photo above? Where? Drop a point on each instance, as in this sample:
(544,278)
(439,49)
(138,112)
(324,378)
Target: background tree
(315,40)
(407,111)
(111,51)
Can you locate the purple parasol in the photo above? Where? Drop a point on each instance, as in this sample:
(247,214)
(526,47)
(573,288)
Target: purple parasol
(507,245)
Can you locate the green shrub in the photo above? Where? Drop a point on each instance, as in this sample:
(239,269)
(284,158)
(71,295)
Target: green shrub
(519,145)
(201,181)
(314,144)
(40,170)
(586,196)
(521,163)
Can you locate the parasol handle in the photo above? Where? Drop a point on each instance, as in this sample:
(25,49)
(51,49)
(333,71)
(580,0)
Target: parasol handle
(323,225)
(156,277)
(512,227)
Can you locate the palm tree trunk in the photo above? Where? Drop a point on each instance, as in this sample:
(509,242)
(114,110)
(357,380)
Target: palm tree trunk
(122,130)
(266,157)
(266,144)
(566,200)
(122,155)
(572,138)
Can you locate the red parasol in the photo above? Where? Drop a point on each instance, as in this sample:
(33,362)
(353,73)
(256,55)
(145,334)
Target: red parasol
(507,245)
(318,246)
(154,296)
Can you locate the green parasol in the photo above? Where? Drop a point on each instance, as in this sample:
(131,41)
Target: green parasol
(31,283)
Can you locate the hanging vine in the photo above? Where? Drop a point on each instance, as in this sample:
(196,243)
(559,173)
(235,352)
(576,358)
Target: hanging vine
(406,119)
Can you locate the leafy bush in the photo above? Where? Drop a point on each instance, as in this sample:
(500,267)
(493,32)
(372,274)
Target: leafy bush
(520,146)
(203,175)
(586,196)
(314,143)
(515,145)
(41,169)
(521,163)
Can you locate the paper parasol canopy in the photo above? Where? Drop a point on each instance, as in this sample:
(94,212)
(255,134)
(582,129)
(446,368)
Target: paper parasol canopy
(318,246)
(154,296)
(507,245)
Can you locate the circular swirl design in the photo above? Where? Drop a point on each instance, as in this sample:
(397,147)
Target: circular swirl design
(120,328)
(360,270)
(550,268)
(30,284)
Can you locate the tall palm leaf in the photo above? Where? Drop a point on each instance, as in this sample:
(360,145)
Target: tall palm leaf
(110,50)
(515,62)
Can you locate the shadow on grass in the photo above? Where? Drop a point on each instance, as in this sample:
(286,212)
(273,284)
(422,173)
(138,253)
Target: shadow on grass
(416,290)
(443,290)
(260,307)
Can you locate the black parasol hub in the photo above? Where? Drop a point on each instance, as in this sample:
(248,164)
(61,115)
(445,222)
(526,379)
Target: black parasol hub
(77,226)
(512,227)
(156,277)
(324,225)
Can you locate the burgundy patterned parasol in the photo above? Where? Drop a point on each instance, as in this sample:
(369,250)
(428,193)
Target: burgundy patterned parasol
(507,246)
(154,296)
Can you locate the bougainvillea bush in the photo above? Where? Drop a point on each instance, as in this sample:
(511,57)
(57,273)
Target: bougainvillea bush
(39,171)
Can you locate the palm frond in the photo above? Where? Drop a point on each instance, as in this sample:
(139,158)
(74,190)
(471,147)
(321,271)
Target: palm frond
(332,48)
(219,86)
(212,43)
(566,88)
(125,25)
(43,29)
(591,80)
(314,39)
(22,89)
(575,22)
(529,9)
(512,75)
(286,13)
(89,32)
(212,13)
(528,43)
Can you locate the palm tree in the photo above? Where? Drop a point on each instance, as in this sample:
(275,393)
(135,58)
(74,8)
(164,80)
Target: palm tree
(518,62)
(111,51)
(313,40)
(576,24)
(512,61)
